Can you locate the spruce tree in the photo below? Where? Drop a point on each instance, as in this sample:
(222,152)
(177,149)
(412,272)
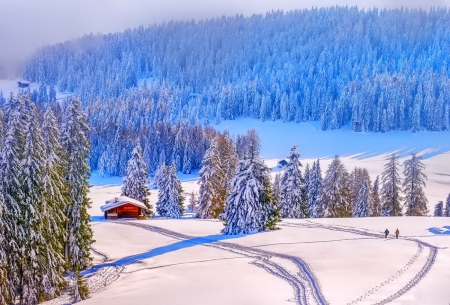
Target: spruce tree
(170,196)
(390,190)
(33,249)
(192,203)
(291,203)
(439,209)
(76,149)
(134,183)
(413,184)
(10,169)
(212,184)
(314,189)
(362,205)
(4,291)
(335,195)
(277,187)
(56,202)
(376,202)
(447,207)
(250,206)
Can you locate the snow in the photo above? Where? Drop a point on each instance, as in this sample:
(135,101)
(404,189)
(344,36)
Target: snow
(157,265)
(10,85)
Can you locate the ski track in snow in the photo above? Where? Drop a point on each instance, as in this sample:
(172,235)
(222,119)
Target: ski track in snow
(413,282)
(305,284)
(307,289)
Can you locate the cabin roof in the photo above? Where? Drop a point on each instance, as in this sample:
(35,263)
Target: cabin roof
(23,82)
(120,201)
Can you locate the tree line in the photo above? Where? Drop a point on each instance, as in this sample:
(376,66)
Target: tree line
(335,65)
(44,224)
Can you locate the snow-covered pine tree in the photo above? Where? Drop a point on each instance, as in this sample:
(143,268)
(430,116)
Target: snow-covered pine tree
(314,189)
(212,184)
(76,148)
(335,195)
(362,205)
(413,184)
(291,203)
(158,175)
(447,207)
(390,191)
(56,202)
(188,155)
(192,207)
(170,196)
(134,183)
(10,169)
(33,249)
(439,209)
(375,195)
(250,207)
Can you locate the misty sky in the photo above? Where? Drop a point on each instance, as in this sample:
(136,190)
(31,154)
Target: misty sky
(27,24)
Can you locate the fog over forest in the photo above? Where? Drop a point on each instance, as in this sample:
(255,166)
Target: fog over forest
(28,24)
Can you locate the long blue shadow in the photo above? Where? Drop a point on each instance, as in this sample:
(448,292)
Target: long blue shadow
(440,231)
(132,259)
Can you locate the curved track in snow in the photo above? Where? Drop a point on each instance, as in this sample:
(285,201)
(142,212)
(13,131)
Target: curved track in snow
(306,286)
(431,258)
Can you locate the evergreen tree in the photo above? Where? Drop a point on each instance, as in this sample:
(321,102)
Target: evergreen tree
(170,196)
(291,203)
(4,291)
(11,157)
(447,207)
(439,209)
(314,189)
(212,185)
(250,207)
(56,202)
(134,183)
(277,187)
(76,148)
(362,206)
(390,190)
(376,202)
(413,184)
(335,195)
(192,203)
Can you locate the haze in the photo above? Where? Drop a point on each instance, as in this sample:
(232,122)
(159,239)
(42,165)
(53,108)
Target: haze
(25,25)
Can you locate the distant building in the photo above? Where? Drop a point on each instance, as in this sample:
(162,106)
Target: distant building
(282,163)
(23,84)
(123,207)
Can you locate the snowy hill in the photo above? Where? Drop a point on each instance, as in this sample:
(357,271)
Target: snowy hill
(325,261)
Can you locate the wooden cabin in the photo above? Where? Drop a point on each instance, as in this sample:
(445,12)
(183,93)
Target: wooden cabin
(23,84)
(123,207)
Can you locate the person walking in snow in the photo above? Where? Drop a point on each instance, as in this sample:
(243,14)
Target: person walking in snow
(386,233)
(396,233)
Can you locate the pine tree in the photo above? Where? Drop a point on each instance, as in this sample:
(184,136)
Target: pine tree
(447,207)
(170,196)
(76,148)
(362,206)
(192,203)
(390,190)
(134,184)
(212,184)
(416,201)
(10,169)
(291,203)
(4,291)
(250,207)
(30,240)
(56,202)
(335,195)
(376,202)
(439,209)
(314,189)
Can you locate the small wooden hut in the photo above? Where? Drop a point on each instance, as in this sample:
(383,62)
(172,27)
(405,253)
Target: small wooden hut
(123,207)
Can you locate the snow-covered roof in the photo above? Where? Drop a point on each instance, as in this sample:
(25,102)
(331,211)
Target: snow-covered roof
(119,201)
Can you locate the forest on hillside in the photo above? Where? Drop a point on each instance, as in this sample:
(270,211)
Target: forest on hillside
(376,70)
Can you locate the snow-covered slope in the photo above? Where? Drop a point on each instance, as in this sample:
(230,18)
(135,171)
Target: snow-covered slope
(338,261)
